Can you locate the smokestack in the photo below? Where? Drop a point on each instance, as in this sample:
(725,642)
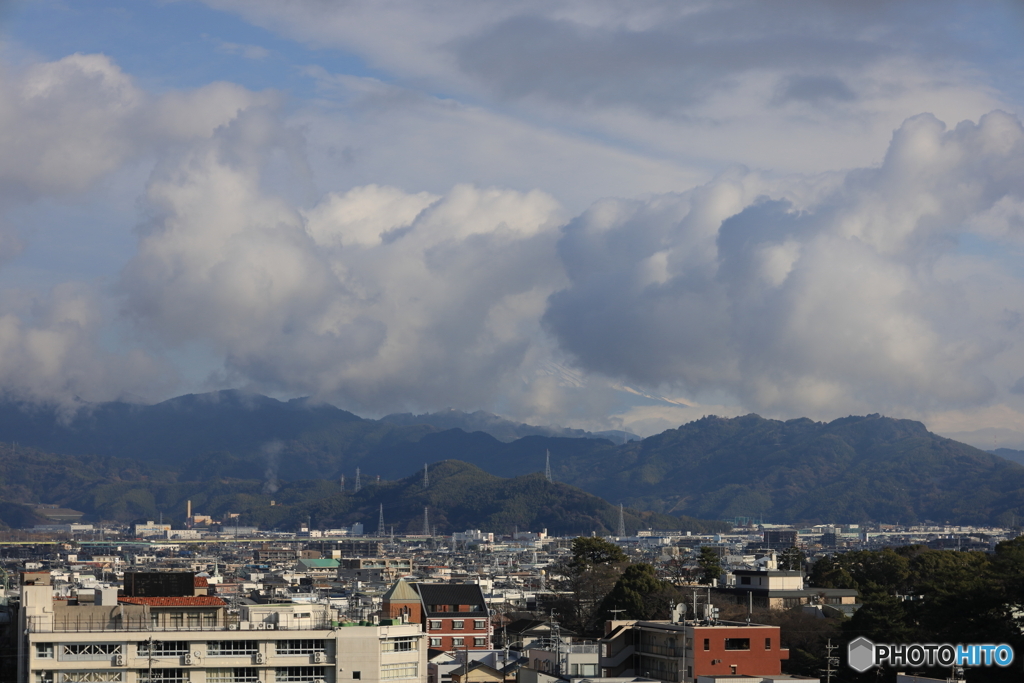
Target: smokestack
(188,515)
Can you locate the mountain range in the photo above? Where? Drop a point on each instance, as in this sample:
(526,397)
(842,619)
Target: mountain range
(858,468)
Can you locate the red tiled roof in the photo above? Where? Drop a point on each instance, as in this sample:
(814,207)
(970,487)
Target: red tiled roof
(201,582)
(187,601)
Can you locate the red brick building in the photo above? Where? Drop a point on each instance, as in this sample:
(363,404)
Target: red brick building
(680,652)
(454,616)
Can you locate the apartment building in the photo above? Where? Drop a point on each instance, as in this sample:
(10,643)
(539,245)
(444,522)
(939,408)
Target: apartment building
(195,639)
(683,652)
(454,616)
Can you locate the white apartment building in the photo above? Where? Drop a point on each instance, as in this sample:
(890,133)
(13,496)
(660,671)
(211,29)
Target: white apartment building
(194,639)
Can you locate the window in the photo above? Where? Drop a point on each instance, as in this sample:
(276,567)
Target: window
(458,624)
(177,619)
(435,642)
(707,644)
(88,676)
(767,643)
(458,642)
(232,648)
(163,675)
(193,619)
(164,648)
(236,675)
(209,620)
(745,580)
(435,625)
(44,650)
(480,624)
(76,652)
(298,674)
(479,642)
(403,670)
(356,675)
(404,644)
(737,643)
(299,647)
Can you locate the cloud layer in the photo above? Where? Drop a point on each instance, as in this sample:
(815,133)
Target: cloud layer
(520,206)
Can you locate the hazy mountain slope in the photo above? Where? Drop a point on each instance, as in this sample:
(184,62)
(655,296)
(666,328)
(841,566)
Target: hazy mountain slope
(497,426)
(1010,454)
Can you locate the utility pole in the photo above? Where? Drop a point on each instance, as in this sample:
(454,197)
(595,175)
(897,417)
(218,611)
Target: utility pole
(622,523)
(830,661)
(426,521)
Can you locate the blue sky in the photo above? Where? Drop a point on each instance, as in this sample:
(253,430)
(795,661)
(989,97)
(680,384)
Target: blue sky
(587,213)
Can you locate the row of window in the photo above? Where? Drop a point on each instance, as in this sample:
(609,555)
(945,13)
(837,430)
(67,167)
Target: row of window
(738,644)
(458,624)
(282,674)
(174,648)
(403,644)
(459,642)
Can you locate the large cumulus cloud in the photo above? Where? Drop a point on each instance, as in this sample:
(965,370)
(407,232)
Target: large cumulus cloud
(65,127)
(374,297)
(851,294)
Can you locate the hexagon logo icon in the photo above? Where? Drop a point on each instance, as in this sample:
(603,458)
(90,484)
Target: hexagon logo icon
(860,654)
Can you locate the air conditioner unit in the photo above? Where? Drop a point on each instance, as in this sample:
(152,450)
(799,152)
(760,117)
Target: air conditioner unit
(259,658)
(261,626)
(271,627)
(118,660)
(188,660)
(232,627)
(318,657)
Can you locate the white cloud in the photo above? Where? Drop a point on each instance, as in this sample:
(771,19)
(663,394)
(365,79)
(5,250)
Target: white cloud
(373,298)
(857,302)
(65,127)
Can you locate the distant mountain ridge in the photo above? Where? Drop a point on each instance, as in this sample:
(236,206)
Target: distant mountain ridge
(858,468)
(499,427)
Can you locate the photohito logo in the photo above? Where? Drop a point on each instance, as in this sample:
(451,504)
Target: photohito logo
(862,654)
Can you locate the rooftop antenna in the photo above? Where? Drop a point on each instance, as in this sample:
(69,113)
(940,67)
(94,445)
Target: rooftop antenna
(381,531)
(356,489)
(426,521)
(426,476)
(622,523)
(547,466)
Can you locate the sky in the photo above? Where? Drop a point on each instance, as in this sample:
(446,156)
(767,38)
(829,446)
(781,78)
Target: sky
(595,214)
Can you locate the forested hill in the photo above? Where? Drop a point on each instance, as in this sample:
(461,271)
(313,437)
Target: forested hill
(459,496)
(851,469)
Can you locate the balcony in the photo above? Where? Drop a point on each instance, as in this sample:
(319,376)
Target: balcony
(47,624)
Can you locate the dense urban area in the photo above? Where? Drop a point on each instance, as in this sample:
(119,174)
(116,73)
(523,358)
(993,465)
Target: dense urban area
(214,601)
